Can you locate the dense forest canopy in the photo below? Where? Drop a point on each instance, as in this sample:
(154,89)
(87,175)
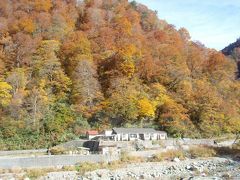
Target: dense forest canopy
(67,66)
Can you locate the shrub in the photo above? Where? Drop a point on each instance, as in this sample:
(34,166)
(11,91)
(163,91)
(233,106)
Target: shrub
(57,150)
(202,152)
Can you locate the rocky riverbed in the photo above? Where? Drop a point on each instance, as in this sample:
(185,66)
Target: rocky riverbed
(215,167)
(196,169)
(210,168)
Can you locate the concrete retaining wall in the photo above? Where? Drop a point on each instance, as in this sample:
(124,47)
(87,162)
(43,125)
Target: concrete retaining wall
(208,142)
(177,142)
(20,152)
(51,161)
(130,145)
(64,160)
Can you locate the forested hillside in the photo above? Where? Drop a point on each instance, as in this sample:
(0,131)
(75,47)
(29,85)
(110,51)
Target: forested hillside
(66,66)
(233,51)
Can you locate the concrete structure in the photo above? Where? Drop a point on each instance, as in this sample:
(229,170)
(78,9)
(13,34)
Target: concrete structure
(131,134)
(53,160)
(23,152)
(110,150)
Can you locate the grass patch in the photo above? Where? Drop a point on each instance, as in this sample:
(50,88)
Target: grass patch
(16,170)
(169,155)
(207,151)
(228,151)
(236,145)
(88,167)
(114,165)
(35,173)
(4,171)
(125,158)
(69,168)
(225,138)
(202,151)
(194,152)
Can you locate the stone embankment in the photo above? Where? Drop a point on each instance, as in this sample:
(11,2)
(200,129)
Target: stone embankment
(211,168)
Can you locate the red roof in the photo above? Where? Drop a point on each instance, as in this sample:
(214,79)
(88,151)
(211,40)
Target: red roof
(92,132)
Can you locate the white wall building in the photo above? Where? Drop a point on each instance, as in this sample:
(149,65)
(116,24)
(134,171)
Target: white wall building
(131,134)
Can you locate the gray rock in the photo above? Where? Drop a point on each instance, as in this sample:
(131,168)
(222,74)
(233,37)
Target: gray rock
(176,159)
(226,176)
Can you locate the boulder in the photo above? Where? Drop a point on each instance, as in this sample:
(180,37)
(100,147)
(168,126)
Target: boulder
(176,159)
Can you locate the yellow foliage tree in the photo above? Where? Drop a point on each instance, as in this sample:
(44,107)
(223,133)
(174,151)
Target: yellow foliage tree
(159,94)
(123,26)
(127,68)
(127,54)
(146,108)
(27,25)
(170,114)
(43,5)
(74,49)
(5,95)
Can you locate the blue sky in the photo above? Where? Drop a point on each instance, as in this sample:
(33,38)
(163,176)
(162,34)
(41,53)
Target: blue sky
(215,23)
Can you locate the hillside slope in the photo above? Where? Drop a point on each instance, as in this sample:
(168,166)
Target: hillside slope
(233,51)
(229,50)
(68,66)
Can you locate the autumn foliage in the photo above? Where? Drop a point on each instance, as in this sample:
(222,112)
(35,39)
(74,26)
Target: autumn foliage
(67,65)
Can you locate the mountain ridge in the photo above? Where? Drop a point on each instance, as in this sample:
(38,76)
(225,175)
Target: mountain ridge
(228,50)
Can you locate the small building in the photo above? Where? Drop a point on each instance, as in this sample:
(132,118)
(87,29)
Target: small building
(131,134)
(91,134)
(107,132)
(161,135)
